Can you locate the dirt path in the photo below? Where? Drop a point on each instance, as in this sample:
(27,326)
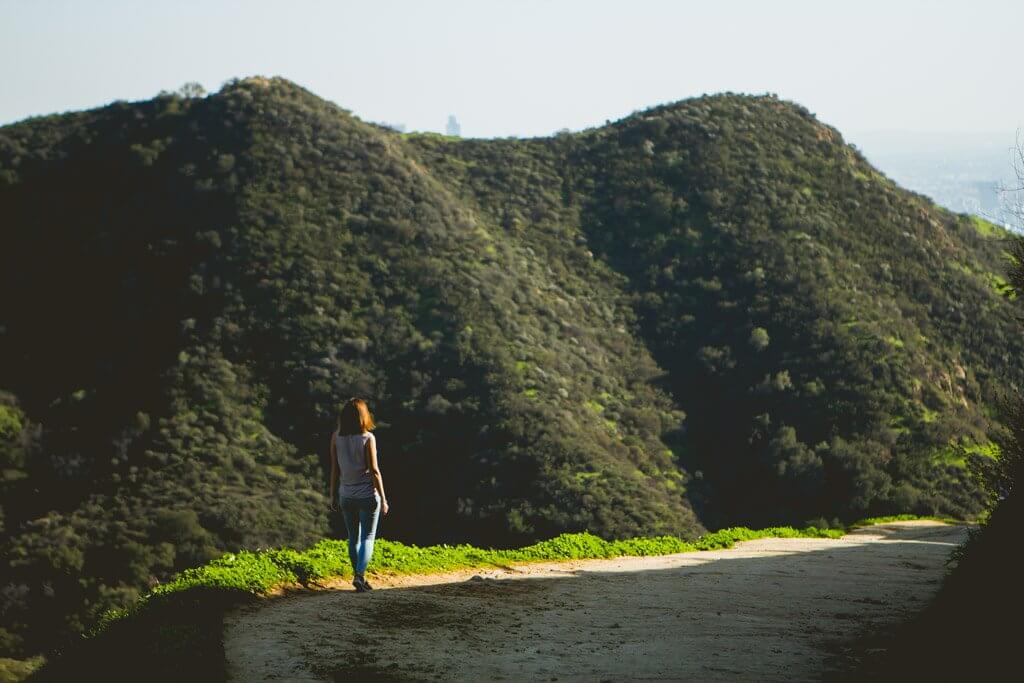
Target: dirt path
(773,609)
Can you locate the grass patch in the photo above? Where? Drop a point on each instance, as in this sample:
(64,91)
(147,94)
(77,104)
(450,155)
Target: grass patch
(430,135)
(956,454)
(870,521)
(1001,286)
(894,342)
(986,228)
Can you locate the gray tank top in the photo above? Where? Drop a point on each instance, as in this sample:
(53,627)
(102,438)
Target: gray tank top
(356,480)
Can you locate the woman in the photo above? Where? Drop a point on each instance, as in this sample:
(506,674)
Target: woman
(354,455)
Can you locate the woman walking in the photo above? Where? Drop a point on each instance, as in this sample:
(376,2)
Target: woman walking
(361,494)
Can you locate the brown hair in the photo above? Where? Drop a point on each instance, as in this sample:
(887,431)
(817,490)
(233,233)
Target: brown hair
(354,417)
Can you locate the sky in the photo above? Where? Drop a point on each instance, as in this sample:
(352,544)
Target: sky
(527,67)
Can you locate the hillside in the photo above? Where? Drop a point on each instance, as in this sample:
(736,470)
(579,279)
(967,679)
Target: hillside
(707,313)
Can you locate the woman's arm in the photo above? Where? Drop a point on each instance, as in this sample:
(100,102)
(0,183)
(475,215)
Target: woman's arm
(334,470)
(378,480)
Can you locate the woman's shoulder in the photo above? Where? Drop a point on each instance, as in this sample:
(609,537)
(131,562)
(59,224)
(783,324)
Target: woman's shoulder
(362,435)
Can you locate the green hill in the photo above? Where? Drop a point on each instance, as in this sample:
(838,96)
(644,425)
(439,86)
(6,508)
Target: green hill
(710,313)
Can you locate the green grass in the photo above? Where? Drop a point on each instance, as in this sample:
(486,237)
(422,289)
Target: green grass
(1001,286)
(956,454)
(430,135)
(869,521)
(986,228)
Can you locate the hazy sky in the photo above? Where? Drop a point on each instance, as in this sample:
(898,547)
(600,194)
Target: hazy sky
(529,67)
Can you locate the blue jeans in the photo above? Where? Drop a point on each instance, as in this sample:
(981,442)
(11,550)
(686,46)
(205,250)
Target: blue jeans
(361,522)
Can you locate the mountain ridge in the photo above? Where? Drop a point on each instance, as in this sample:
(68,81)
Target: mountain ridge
(708,312)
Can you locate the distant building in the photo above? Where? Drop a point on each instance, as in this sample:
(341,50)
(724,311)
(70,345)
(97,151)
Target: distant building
(453,127)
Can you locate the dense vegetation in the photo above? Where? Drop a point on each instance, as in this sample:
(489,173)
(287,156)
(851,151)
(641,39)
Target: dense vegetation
(712,306)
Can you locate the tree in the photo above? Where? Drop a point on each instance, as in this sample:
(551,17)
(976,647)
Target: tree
(192,89)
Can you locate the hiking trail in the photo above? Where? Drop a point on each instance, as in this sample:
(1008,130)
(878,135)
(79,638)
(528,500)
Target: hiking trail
(770,609)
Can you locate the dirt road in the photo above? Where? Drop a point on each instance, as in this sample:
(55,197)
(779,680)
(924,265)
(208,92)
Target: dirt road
(773,609)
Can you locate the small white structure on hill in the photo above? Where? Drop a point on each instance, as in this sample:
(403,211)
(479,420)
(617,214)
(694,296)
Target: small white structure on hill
(453,127)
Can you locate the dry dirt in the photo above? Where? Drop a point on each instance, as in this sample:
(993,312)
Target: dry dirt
(772,609)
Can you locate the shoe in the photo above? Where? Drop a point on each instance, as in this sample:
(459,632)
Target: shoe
(360,586)
(366,585)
